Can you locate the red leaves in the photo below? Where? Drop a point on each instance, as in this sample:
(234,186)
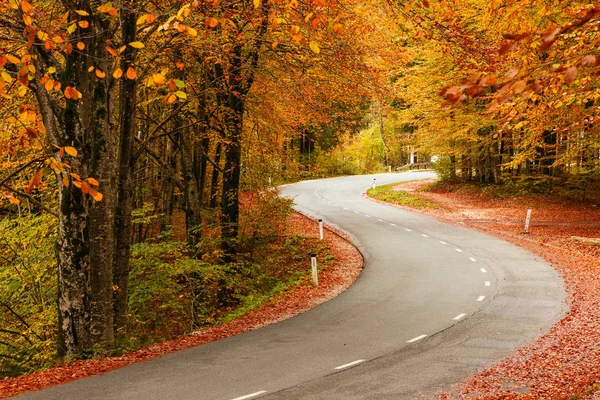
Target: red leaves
(549,36)
(570,75)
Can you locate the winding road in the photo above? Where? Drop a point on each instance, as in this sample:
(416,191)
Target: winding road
(434,303)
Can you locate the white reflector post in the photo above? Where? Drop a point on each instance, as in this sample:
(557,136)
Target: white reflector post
(315,272)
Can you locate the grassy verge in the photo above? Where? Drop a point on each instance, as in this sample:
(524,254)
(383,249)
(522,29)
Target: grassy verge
(388,194)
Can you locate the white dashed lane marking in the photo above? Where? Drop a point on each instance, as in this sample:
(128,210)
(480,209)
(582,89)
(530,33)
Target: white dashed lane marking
(472,259)
(416,339)
(350,364)
(424,235)
(251,395)
(442,242)
(484,270)
(459,316)
(488,284)
(481,298)
(393,224)
(459,250)
(408,230)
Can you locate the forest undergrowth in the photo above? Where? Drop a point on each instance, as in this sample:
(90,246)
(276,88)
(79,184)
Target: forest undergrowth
(171,294)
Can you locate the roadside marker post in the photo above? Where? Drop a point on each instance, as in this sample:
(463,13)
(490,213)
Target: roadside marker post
(321,229)
(315,272)
(270,184)
(528,221)
(390,167)
(374,183)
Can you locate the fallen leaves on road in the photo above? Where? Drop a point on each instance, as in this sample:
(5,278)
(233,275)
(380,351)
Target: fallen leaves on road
(345,269)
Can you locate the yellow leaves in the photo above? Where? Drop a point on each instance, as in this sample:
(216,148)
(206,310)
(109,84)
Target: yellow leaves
(112,51)
(83,24)
(118,73)
(6,77)
(211,22)
(107,8)
(85,185)
(338,28)
(97,196)
(314,46)
(49,85)
(12,199)
(131,74)
(80,45)
(72,151)
(42,35)
(171,98)
(137,45)
(257,3)
(146,19)
(191,31)
(13,59)
(71,28)
(26,7)
(93,181)
(72,93)
(83,13)
(100,74)
(159,79)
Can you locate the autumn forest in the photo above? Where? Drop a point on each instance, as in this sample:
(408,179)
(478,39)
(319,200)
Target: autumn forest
(140,142)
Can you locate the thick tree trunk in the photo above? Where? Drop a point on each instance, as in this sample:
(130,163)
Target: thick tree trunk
(86,227)
(192,195)
(125,184)
(230,202)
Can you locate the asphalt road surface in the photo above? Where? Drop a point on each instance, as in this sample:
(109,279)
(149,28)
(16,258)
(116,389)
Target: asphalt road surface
(434,304)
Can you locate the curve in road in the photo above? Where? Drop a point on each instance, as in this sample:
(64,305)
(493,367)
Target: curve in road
(434,303)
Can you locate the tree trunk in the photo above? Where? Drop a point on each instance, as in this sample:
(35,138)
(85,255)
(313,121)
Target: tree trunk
(214,181)
(86,227)
(126,163)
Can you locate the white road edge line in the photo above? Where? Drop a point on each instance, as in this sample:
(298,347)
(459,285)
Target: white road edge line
(472,259)
(488,284)
(484,270)
(459,316)
(416,339)
(249,396)
(481,298)
(350,364)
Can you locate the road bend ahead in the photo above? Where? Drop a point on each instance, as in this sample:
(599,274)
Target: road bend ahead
(434,303)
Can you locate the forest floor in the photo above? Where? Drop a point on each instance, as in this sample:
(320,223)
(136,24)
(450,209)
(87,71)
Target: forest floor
(565,362)
(341,273)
